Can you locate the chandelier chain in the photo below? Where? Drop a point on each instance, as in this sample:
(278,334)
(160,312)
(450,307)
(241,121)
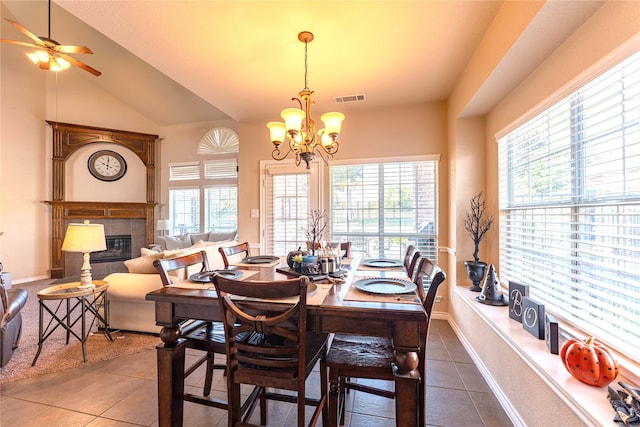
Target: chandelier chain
(306,85)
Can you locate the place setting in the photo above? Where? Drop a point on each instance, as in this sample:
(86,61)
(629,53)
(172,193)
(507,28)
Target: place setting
(258,261)
(380,264)
(382,289)
(203,279)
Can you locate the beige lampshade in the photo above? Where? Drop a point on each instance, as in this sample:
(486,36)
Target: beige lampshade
(84,238)
(163,225)
(277,131)
(332,122)
(293,118)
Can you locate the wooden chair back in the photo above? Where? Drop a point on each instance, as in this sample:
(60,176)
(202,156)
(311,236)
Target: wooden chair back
(413,264)
(269,346)
(345,247)
(167,265)
(262,343)
(228,251)
(408,256)
(428,279)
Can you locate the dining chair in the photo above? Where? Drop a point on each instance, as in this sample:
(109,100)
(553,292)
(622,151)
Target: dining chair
(413,264)
(367,357)
(199,335)
(269,345)
(229,251)
(408,256)
(345,247)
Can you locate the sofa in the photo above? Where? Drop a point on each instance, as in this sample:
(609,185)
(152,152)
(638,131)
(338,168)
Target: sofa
(126,306)
(11,302)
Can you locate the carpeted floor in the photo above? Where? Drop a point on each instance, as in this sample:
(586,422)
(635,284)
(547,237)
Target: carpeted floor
(55,355)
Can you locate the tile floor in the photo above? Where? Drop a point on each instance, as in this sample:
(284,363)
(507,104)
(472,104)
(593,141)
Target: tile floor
(122,392)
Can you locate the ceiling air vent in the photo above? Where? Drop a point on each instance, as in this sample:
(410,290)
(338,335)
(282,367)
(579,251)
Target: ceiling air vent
(350,98)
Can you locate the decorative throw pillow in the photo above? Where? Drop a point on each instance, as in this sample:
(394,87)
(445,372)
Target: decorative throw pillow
(161,241)
(220,237)
(143,264)
(195,237)
(177,242)
(147,251)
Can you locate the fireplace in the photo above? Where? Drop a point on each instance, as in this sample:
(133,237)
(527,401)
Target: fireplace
(118,249)
(124,238)
(67,138)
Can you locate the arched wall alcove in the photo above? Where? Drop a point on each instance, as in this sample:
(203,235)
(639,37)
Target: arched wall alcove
(67,138)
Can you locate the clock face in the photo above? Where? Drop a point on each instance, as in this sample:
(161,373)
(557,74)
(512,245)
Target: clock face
(107,165)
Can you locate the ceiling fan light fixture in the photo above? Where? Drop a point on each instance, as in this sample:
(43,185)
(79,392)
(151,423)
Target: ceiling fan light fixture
(58,64)
(38,56)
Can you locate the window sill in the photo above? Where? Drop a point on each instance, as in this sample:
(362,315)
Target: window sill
(588,403)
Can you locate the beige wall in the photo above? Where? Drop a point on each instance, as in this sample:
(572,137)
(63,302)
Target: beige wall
(29,97)
(611,31)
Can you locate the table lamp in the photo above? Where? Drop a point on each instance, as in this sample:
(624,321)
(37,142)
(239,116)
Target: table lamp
(85,238)
(163,225)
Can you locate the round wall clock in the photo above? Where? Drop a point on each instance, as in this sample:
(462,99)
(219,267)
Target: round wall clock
(107,165)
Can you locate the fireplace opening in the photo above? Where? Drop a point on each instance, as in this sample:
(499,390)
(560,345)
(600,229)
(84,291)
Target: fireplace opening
(118,249)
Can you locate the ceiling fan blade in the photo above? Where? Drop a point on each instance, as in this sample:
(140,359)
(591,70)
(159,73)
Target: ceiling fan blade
(21,43)
(72,49)
(80,64)
(26,32)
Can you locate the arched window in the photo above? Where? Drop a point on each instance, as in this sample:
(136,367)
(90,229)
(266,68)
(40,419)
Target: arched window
(203,194)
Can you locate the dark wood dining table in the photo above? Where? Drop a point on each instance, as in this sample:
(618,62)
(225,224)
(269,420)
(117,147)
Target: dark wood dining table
(405,322)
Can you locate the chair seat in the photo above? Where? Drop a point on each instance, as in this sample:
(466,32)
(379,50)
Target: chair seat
(353,351)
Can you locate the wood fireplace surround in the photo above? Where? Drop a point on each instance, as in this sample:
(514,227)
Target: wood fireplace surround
(67,138)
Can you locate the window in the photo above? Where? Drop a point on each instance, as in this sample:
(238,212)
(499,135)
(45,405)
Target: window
(289,194)
(383,207)
(570,207)
(199,204)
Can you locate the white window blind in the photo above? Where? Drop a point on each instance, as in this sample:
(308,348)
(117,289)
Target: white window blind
(184,171)
(287,210)
(570,207)
(184,210)
(221,169)
(383,207)
(221,212)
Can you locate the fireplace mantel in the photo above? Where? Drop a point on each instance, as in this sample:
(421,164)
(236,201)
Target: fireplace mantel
(67,138)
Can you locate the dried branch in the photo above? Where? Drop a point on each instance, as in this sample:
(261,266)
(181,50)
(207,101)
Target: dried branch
(476,223)
(317,225)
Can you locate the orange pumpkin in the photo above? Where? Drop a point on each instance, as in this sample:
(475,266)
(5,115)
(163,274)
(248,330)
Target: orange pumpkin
(589,362)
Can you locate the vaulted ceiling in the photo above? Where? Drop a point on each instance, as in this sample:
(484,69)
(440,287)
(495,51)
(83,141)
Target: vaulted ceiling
(188,61)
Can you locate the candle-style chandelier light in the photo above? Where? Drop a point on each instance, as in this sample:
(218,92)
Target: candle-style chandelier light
(299,128)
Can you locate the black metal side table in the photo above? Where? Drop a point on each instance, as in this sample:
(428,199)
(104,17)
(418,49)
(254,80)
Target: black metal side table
(89,299)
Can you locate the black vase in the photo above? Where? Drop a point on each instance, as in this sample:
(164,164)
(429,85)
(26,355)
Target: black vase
(475,271)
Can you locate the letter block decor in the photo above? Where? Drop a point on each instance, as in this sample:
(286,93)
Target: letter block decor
(551,333)
(516,293)
(533,317)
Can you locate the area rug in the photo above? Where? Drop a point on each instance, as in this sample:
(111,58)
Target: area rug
(56,355)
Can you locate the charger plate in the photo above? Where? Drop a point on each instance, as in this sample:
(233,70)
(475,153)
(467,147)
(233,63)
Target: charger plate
(260,259)
(382,263)
(205,276)
(385,286)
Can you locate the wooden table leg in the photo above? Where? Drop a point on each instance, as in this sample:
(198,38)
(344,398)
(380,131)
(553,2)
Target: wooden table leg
(171,356)
(407,379)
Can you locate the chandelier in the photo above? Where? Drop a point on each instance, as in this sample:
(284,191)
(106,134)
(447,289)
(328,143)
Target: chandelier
(299,128)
